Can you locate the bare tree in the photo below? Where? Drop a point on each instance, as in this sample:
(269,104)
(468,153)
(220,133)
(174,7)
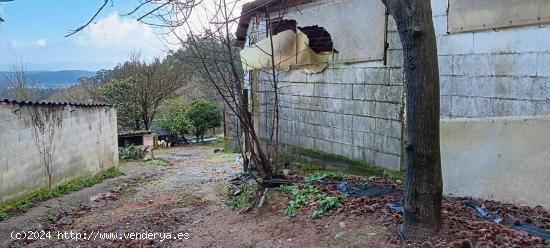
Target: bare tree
(424,184)
(19,85)
(139,88)
(46,121)
(3,1)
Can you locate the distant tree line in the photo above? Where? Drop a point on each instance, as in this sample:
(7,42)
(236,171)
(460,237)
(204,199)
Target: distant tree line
(163,94)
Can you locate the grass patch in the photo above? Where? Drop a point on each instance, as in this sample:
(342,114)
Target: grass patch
(24,204)
(3,216)
(356,167)
(223,189)
(320,177)
(192,199)
(52,218)
(160,184)
(306,167)
(158,161)
(243,202)
(396,175)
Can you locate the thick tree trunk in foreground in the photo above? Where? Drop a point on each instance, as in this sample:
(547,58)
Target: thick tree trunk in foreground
(423,190)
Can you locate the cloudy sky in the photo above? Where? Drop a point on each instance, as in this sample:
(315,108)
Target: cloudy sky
(34,34)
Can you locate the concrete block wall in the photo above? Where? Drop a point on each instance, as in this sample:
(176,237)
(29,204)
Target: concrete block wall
(489,73)
(488,80)
(500,158)
(353,110)
(85,144)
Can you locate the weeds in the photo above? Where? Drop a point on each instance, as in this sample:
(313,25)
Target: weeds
(132,153)
(244,201)
(318,178)
(52,218)
(3,216)
(192,199)
(356,167)
(23,205)
(158,161)
(305,196)
(307,167)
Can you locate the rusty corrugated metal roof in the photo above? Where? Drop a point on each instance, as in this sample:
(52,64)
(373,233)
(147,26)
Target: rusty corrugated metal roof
(76,104)
(134,133)
(251,8)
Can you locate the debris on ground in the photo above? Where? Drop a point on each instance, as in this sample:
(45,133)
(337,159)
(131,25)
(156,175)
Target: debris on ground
(103,196)
(484,213)
(532,230)
(397,207)
(466,221)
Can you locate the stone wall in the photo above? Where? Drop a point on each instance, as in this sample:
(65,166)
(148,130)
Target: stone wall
(85,143)
(488,73)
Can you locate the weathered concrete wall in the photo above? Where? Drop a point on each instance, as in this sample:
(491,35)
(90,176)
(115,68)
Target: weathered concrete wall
(353,109)
(488,73)
(84,144)
(350,109)
(501,158)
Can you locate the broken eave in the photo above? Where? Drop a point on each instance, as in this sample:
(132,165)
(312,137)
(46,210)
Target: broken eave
(260,6)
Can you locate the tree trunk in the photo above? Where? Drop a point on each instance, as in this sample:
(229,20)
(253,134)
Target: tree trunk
(185,140)
(423,190)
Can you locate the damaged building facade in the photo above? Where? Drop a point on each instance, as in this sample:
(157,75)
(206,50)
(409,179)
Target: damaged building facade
(46,143)
(340,87)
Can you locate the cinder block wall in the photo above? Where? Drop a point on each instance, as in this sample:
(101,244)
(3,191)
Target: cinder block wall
(492,73)
(354,109)
(501,158)
(351,110)
(488,79)
(84,145)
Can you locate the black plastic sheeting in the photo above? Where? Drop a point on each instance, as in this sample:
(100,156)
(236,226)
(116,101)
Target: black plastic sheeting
(486,214)
(362,190)
(528,228)
(532,230)
(397,207)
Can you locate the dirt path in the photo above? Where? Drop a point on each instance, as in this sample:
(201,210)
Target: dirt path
(186,199)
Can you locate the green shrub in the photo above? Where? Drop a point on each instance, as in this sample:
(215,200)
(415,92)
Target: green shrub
(303,197)
(203,115)
(318,178)
(300,198)
(131,152)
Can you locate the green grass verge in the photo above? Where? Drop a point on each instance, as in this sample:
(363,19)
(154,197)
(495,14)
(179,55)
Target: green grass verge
(157,161)
(29,201)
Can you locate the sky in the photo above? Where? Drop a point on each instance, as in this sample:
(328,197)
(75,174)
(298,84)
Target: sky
(34,35)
